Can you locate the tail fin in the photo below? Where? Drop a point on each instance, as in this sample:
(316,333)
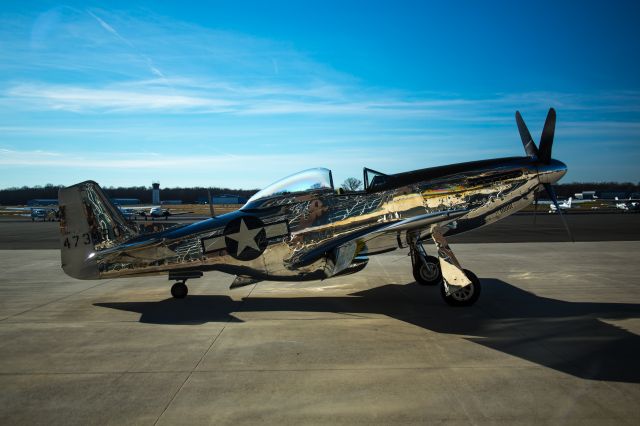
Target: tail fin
(89,222)
(569,202)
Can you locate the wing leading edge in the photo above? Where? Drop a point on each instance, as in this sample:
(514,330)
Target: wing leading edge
(343,250)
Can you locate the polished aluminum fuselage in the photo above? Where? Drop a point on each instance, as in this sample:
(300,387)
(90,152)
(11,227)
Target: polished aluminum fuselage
(318,234)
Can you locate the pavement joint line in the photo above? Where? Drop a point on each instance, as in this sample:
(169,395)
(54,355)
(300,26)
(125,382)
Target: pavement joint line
(188,376)
(99,373)
(56,300)
(348,316)
(276,370)
(459,379)
(425,368)
(203,356)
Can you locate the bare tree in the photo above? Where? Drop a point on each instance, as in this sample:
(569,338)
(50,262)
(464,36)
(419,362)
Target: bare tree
(351,184)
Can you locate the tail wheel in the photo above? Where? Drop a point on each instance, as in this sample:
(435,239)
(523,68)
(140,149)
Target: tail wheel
(179,290)
(427,273)
(466,296)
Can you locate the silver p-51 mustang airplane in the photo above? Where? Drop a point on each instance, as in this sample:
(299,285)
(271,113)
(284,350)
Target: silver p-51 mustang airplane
(300,228)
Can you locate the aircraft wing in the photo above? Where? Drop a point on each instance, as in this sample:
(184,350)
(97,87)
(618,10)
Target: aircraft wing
(344,248)
(425,220)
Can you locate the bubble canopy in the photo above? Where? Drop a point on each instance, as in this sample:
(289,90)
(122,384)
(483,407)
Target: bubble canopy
(306,180)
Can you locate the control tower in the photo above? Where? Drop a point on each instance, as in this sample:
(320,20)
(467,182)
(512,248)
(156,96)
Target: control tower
(155,193)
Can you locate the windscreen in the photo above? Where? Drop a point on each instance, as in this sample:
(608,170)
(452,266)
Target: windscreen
(307,180)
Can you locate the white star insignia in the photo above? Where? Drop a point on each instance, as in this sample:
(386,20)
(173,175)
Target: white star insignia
(245,237)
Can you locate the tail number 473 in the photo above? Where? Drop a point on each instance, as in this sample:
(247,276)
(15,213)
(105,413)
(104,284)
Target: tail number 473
(75,240)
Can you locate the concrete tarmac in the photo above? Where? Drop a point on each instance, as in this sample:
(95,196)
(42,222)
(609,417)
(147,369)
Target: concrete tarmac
(21,233)
(554,339)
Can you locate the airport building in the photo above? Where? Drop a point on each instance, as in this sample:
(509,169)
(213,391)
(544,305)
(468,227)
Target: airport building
(42,202)
(610,195)
(605,195)
(223,199)
(125,201)
(586,195)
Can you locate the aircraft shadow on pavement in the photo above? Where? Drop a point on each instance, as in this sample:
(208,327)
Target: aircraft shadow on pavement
(571,337)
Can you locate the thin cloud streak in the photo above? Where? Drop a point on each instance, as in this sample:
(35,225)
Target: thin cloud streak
(78,99)
(276,100)
(154,70)
(226,161)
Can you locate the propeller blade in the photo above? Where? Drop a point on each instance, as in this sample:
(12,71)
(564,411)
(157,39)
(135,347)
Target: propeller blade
(535,206)
(546,139)
(552,195)
(527,141)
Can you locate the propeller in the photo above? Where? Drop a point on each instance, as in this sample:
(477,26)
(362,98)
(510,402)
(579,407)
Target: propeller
(535,206)
(542,153)
(527,141)
(546,139)
(554,199)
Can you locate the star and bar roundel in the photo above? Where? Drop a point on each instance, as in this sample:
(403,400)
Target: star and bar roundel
(245,237)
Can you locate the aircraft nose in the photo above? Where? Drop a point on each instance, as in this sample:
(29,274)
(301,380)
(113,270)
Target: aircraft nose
(552,172)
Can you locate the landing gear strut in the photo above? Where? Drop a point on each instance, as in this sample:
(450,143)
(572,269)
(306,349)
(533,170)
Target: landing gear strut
(458,287)
(426,269)
(179,290)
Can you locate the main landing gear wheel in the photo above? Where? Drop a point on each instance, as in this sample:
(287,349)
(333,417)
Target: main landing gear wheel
(179,290)
(466,296)
(428,272)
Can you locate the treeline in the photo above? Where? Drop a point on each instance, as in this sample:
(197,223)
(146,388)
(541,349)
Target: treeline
(20,196)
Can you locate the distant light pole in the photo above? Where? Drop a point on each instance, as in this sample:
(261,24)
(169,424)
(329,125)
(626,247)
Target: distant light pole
(210,203)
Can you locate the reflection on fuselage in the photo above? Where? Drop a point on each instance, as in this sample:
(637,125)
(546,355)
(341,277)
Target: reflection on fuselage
(479,192)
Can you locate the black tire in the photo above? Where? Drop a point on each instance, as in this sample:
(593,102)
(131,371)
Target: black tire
(179,290)
(427,275)
(466,296)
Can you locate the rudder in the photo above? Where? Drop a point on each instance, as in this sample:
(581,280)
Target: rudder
(89,223)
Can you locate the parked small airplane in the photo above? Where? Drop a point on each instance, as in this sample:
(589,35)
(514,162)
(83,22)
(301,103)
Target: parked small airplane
(566,205)
(300,228)
(46,214)
(627,205)
(154,212)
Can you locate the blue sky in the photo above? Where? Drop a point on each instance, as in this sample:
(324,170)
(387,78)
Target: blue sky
(239,94)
